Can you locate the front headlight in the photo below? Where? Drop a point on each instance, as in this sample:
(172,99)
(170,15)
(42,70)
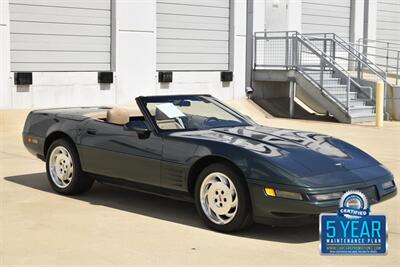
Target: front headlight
(388,185)
(325,197)
(288,194)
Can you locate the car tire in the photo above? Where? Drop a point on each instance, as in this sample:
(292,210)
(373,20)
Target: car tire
(64,170)
(222,198)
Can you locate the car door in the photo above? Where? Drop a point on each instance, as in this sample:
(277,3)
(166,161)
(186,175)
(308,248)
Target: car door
(116,151)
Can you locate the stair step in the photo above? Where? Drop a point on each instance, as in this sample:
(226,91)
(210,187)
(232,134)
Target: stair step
(343,100)
(339,87)
(342,96)
(362,111)
(363,108)
(342,93)
(328,80)
(357,103)
(353,105)
(362,118)
(317,72)
(338,90)
(316,76)
(358,109)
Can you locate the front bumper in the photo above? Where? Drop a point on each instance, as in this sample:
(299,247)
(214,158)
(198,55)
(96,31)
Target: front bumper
(288,212)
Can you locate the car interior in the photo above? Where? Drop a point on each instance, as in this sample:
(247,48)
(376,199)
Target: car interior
(123,116)
(179,115)
(133,118)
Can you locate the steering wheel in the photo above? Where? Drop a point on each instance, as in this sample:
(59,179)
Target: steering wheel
(211,120)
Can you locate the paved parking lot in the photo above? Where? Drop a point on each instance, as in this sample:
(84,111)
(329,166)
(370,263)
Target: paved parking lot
(112,226)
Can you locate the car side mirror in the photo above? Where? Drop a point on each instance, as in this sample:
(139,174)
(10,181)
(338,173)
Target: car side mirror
(139,127)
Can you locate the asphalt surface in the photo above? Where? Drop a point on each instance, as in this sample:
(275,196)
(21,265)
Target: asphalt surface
(112,226)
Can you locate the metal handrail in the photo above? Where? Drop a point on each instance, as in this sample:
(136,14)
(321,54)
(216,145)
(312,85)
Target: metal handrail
(362,57)
(359,56)
(324,59)
(379,41)
(376,47)
(338,67)
(390,69)
(310,43)
(363,61)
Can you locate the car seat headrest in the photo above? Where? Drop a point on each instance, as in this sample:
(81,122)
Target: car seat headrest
(118,116)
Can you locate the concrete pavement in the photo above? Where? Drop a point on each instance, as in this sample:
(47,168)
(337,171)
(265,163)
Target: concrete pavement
(112,226)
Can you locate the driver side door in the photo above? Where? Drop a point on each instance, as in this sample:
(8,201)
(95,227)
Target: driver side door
(116,151)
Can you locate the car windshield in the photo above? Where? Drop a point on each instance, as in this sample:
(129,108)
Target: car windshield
(191,113)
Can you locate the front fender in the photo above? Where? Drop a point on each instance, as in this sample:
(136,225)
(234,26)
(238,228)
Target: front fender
(185,154)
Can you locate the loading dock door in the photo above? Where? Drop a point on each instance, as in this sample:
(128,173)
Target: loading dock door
(60,35)
(193,35)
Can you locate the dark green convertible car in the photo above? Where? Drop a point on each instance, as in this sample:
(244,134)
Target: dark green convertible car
(193,147)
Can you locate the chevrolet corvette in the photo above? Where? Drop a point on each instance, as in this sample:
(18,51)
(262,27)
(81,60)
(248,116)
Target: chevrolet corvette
(195,148)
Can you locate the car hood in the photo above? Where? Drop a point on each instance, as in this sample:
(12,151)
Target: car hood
(298,152)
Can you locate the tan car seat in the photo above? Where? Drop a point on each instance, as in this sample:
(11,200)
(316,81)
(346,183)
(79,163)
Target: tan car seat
(118,116)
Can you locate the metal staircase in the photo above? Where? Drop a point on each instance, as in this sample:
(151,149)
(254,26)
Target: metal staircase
(358,106)
(325,67)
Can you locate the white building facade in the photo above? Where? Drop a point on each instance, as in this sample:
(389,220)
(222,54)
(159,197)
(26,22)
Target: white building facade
(66,43)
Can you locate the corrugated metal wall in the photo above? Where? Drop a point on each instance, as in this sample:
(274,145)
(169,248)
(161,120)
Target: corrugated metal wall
(387,30)
(326,16)
(193,35)
(388,21)
(60,35)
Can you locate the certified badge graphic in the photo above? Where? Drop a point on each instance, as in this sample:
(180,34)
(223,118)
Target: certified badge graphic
(353,230)
(353,205)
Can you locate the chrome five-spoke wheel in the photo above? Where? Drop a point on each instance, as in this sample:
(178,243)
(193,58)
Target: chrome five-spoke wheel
(219,198)
(64,169)
(222,199)
(61,167)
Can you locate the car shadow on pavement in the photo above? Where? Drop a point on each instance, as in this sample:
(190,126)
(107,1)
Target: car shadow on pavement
(166,209)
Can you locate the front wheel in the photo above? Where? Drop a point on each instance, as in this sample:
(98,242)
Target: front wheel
(222,199)
(64,170)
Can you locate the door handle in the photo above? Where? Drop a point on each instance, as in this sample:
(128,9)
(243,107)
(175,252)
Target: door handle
(91,131)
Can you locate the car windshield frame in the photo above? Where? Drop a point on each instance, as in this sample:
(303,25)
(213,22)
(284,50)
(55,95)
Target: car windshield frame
(143,102)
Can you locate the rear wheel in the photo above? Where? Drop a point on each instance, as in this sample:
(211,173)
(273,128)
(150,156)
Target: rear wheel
(64,171)
(222,199)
